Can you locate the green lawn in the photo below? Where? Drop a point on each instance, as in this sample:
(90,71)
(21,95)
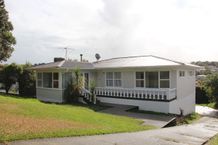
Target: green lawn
(213,141)
(211,105)
(22,118)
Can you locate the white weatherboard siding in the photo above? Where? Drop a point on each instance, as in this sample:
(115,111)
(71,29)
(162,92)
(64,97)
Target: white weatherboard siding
(185,93)
(142,104)
(50,95)
(187,104)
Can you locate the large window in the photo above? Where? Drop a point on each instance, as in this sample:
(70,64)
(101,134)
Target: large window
(48,80)
(113,79)
(140,79)
(164,79)
(151,79)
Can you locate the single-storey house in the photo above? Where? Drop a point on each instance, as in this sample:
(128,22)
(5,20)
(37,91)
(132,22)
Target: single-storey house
(149,82)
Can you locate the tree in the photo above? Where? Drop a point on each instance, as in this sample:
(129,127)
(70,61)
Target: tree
(74,88)
(7,40)
(10,74)
(211,87)
(27,85)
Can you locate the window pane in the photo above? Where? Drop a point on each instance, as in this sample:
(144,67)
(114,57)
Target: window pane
(181,73)
(117,83)
(140,83)
(117,75)
(164,84)
(109,75)
(152,79)
(47,80)
(39,83)
(191,73)
(39,75)
(55,84)
(55,76)
(109,83)
(139,75)
(164,75)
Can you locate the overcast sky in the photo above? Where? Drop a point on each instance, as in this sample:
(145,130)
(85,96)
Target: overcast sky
(184,30)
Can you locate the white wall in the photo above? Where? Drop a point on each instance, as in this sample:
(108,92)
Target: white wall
(187,104)
(49,95)
(143,105)
(185,93)
(128,76)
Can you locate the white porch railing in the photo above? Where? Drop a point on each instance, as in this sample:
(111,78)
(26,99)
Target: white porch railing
(137,93)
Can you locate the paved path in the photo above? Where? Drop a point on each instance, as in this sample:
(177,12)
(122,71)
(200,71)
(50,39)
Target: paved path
(194,134)
(149,119)
(206,111)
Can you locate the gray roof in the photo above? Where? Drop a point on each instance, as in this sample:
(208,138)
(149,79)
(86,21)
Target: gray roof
(65,64)
(138,61)
(120,62)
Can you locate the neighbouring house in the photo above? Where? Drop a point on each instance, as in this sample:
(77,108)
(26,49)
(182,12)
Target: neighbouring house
(149,82)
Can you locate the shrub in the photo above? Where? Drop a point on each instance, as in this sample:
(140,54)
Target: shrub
(211,87)
(27,81)
(201,95)
(74,88)
(10,75)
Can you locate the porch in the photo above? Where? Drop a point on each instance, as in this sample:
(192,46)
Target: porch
(161,94)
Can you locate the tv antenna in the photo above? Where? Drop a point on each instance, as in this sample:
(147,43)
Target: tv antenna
(66,51)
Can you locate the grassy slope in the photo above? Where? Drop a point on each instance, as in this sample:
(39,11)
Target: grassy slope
(28,118)
(213,141)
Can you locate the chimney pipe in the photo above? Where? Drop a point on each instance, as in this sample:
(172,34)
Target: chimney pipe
(81,57)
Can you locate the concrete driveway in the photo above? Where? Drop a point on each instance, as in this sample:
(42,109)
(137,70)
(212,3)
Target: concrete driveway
(193,134)
(149,119)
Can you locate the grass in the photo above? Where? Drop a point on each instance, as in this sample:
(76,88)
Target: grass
(22,118)
(213,141)
(188,119)
(136,110)
(211,105)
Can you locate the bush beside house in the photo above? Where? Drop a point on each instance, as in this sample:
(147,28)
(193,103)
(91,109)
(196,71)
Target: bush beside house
(207,90)
(25,77)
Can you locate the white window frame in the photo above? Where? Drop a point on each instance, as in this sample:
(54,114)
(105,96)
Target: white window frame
(158,79)
(164,79)
(40,79)
(53,80)
(191,73)
(182,73)
(113,79)
(140,79)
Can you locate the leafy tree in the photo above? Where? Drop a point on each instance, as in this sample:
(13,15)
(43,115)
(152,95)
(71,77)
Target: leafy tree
(211,87)
(10,74)
(26,81)
(7,40)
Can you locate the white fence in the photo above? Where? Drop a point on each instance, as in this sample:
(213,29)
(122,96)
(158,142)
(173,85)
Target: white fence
(137,93)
